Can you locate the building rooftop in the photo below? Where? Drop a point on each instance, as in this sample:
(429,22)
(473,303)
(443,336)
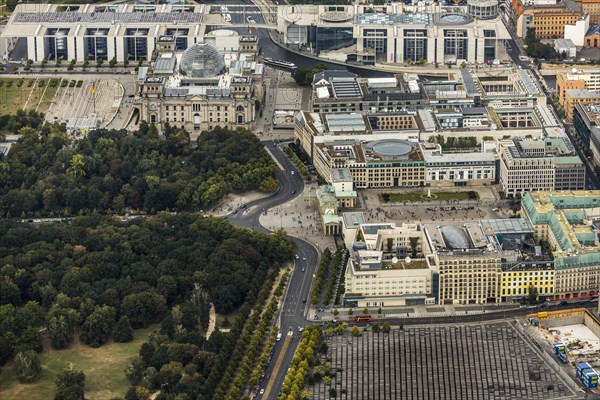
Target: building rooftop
(582,94)
(341,175)
(353,220)
(568,215)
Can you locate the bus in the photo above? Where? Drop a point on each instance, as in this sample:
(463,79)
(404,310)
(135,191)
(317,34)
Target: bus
(363,318)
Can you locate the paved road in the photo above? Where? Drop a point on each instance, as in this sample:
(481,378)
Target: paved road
(294,306)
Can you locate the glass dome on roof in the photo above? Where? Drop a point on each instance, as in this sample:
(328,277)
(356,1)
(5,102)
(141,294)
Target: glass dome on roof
(202,60)
(455,237)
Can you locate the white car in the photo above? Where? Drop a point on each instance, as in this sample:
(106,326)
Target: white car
(262,391)
(250,20)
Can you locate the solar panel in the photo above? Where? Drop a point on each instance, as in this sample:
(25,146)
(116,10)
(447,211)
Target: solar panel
(107,17)
(345,88)
(530,86)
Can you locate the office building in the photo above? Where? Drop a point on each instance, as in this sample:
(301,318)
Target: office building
(582,96)
(389,267)
(586,120)
(563,222)
(545,164)
(366,34)
(576,79)
(457,169)
(592,36)
(547,17)
(374,164)
(469,263)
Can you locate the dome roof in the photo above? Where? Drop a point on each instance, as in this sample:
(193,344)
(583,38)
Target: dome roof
(202,60)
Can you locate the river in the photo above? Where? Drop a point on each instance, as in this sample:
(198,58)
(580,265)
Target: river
(270,49)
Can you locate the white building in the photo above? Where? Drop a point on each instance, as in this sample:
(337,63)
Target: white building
(566,47)
(576,32)
(457,169)
(388,267)
(101,31)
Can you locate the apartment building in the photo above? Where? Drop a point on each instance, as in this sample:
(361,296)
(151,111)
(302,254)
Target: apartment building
(586,120)
(591,8)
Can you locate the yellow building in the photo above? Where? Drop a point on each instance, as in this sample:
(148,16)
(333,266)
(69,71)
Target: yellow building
(551,25)
(591,7)
(566,81)
(515,284)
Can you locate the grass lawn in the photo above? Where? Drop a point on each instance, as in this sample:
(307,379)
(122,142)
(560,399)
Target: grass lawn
(422,196)
(43,94)
(103,367)
(13,96)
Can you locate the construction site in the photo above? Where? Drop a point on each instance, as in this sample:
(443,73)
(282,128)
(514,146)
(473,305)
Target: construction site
(574,336)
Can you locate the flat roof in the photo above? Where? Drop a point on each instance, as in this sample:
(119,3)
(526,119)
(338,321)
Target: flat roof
(353,220)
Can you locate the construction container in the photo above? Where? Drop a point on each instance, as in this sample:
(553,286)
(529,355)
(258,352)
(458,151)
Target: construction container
(580,367)
(542,314)
(589,378)
(559,350)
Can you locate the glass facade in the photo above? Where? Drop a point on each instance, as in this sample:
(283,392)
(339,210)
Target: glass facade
(97,45)
(455,44)
(415,44)
(181,40)
(57,43)
(376,39)
(328,39)
(137,43)
(489,46)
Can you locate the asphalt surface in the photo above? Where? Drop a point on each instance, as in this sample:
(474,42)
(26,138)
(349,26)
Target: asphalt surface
(295,302)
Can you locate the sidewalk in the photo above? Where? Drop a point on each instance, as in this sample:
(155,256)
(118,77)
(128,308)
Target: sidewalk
(419,311)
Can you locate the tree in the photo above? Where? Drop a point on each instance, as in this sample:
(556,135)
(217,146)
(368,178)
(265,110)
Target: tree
(365,311)
(143,308)
(61,331)
(335,312)
(122,331)
(135,369)
(30,340)
(533,294)
(376,327)
(350,311)
(98,326)
(169,375)
(355,331)
(379,311)
(390,244)
(386,327)
(70,384)
(28,366)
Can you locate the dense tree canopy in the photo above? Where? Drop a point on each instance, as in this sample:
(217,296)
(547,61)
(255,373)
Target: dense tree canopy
(47,174)
(93,271)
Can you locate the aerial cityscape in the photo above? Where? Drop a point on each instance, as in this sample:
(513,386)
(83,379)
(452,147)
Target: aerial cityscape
(278,199)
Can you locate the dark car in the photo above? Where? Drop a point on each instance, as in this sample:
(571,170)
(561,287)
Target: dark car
(304,301)
(564,303)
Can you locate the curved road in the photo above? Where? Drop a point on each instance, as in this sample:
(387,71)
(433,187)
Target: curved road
(298,289)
